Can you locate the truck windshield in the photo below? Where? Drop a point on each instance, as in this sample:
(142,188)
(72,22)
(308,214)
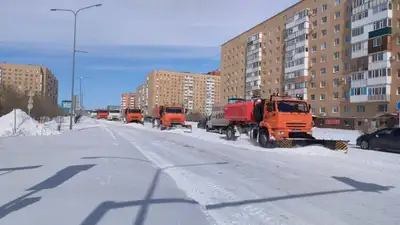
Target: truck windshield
(173,110)
(134,111)
(114,111)
(292,106)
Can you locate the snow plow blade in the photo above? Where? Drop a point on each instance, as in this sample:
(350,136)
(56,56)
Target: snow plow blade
(187,128)
(337,145)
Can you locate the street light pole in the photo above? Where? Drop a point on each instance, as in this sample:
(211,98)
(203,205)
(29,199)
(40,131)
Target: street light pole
(73,58)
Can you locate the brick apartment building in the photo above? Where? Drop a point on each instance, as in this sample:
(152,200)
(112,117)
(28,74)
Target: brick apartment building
(25,78)
(343,56)
(141,97)
(196,92)
(128,101)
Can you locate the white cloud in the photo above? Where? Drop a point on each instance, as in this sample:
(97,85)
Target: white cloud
(134,22)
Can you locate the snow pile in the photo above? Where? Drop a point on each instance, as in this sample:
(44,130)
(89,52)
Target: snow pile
(25,125)
(337,134)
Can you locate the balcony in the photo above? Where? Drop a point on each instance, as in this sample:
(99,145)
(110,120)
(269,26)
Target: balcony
(379,98)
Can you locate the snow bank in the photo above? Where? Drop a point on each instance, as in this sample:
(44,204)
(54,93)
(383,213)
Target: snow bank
(25,125)
(337,134)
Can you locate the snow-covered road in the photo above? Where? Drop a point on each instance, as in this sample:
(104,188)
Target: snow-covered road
(239,185)
(109,173)
(90,176)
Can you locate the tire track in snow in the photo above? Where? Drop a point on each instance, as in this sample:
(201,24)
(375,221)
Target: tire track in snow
(205,191)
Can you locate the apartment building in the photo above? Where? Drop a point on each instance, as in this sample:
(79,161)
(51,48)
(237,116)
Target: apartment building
(128,101)
(324,50)
(141,97)
(26,78)
(196,92)
(375,81)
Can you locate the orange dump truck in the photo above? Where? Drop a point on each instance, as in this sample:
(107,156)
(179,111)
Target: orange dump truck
(169,117)
(133,116)
(280,121)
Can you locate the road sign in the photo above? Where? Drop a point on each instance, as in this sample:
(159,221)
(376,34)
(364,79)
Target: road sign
(30,102)
(66,104)
(30,106)
(398,106)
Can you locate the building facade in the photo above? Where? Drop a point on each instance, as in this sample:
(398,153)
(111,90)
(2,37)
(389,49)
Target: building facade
(30,78)
(340,55)
(128,101)
(141,97)
(196,92)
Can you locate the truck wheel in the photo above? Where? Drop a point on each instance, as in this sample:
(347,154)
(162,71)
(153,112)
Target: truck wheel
(230,133)
(207,129)
(263,139)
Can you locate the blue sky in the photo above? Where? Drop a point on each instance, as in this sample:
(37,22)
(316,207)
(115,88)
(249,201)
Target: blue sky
(126,39)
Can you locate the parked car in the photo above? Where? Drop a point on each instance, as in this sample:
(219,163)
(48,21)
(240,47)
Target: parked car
(202,123)
(387,139)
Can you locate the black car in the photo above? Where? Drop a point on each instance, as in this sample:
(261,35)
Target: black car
(202,123)
(386,139)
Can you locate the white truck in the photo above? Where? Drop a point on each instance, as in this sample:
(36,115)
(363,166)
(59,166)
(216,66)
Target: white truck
(114,114)
(216,121)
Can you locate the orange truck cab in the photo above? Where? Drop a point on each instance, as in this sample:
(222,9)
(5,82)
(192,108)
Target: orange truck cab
(168,116)
(133,116)
(102,114)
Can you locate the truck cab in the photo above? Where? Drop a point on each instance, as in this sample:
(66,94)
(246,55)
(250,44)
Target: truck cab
(133,115)
(113,114)
(102,114)
(169,116)
(286,117)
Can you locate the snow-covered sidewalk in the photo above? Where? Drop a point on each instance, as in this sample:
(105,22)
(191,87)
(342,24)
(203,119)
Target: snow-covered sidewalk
(88,176)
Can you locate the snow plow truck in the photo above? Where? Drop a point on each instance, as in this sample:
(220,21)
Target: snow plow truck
(170,117)
(280,121)
(133,116)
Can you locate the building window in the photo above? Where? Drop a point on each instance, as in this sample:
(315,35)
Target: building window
(398,90)
(324,20)
(377,42)
(314,23)
(313,61)
(314,35)
(314,48)
(347,38)
(322,84)
(336,42)
(324,7)
(323,46)
(335,109)
(336,55)
(312,97)
(346,108)
(335,96)
(383,108)
(336,82)
(360,108)
(337,15)
(323,70)
(313,85)
(324,32)
(336,68)
(315,11)
(357,31)
(323,58)
(377,57)
(337,2)
(336,28)
(322,110)
(348,24)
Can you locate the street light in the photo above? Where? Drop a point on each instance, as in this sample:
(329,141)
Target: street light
(80,92)
(73,56)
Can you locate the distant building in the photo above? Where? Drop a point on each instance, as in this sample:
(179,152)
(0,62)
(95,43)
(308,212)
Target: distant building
(196,92)
(128,100)
(25,78)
